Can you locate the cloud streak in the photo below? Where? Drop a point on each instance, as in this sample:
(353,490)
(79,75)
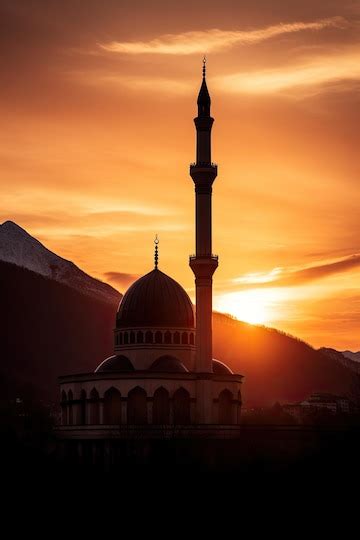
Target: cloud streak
(122,279)
(319,71)
(215,40)
(282,277)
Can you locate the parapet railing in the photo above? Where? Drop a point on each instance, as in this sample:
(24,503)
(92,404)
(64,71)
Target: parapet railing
(212,257)
(203,164)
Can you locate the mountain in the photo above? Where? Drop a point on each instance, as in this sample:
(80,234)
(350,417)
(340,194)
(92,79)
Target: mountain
(49,329)
(20,248)
(355,356)
(342,358)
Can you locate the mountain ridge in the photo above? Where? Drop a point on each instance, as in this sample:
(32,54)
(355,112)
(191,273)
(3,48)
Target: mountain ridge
(355,356)
(343,359)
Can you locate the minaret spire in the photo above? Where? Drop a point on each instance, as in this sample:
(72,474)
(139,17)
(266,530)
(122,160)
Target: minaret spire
(204,100)
(156,254)
(203,263)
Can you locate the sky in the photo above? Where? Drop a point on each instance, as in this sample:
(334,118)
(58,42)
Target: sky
(97,102)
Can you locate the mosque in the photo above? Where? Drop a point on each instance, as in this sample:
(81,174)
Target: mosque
(162,373)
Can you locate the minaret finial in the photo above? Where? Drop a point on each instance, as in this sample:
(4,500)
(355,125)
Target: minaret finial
(204,67)
(156,256)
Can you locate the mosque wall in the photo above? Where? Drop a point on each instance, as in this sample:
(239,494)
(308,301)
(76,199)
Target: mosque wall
(151,400)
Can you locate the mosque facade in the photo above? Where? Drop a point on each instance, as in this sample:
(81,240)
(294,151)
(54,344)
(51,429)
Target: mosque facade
(162,373)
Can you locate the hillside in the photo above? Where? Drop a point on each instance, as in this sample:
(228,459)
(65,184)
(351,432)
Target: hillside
(277,367)
(49,329)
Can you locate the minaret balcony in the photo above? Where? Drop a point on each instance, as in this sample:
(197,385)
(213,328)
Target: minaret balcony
(203,266)
(203,174)
(203,165)
(212,257)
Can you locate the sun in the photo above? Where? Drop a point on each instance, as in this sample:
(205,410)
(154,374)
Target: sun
(253,306)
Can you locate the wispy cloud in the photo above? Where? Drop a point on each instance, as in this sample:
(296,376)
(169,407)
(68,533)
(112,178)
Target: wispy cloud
(285,277)
(135,83)
(259,277)
(121,279)
(214,40)
(313,72)
(97,223)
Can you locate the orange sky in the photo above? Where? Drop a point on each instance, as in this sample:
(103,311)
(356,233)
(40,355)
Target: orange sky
(97,105)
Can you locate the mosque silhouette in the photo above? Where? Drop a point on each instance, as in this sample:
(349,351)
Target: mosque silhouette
(162,377)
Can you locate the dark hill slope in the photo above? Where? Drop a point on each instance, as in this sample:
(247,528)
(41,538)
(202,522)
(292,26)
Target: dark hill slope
(49,329)
(277,367)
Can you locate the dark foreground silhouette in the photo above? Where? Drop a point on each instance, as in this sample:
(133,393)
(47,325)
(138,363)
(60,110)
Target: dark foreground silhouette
(325,448)
(262,454)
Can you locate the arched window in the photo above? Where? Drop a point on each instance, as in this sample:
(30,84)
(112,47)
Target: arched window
(161,407)
(158,337)
(167,337)
(82,409)
(225,407)
(112,407)
(181,403)
(137,406)
(184,338)
(120,338)
(64,411)
(70,408)
(126,338)
(132,337)
(191,339)
(176,337)
(148,337)
(140,337)
(94,407)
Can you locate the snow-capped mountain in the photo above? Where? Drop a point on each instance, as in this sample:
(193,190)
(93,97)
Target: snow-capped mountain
(20,248)
(342,358)
(355,356)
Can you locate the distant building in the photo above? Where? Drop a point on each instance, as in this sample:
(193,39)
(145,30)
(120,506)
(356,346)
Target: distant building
(319,401)
(295,410)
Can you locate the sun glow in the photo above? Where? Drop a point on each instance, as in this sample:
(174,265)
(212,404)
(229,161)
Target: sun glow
(255,306)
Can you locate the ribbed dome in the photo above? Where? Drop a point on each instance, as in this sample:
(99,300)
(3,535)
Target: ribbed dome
(155,300)
(168,364)
(115,363)
(219,368)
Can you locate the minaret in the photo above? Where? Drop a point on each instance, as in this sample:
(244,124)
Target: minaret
(203,263)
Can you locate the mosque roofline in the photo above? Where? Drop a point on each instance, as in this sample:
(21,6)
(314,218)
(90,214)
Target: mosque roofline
(147,374)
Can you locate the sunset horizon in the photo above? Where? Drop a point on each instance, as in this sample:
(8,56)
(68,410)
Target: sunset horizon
(98,137)
(180,247)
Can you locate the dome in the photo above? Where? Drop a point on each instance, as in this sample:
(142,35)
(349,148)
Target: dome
(219,368)
(155,300)
(168,364)
(115,363)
